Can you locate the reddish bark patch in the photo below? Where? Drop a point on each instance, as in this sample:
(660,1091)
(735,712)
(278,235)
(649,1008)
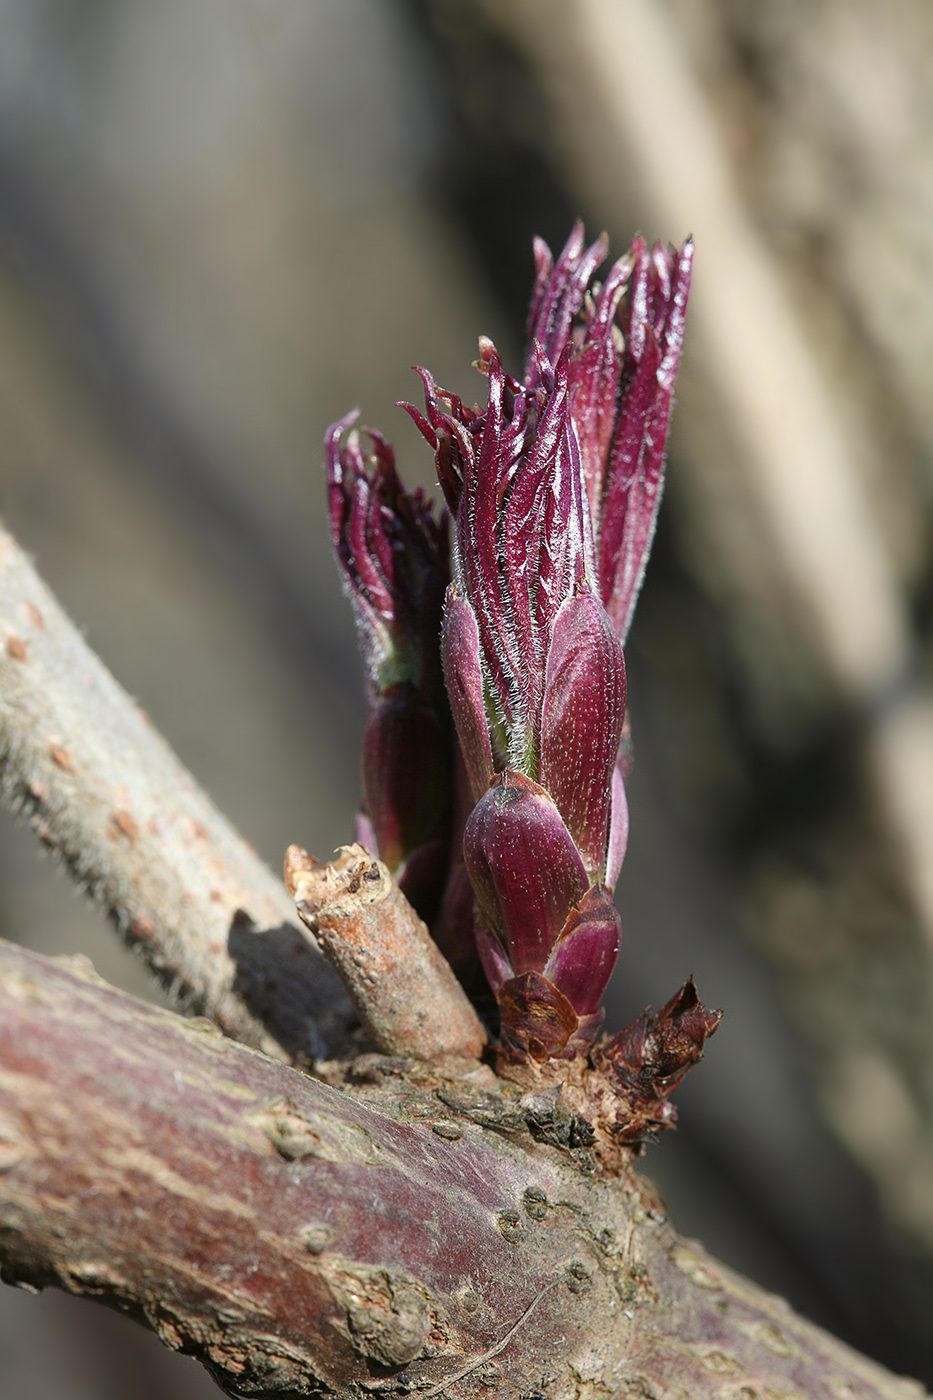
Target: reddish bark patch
(62,758)
(142,927)
(123,824)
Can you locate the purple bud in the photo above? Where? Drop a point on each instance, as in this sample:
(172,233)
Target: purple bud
(582,960)
(525,870)
(634,475)
(554,487)
(581,723)
(522,542)
(621,381)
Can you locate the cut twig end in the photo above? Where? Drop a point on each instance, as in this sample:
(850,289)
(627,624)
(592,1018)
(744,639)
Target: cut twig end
(352,879)
(403,988)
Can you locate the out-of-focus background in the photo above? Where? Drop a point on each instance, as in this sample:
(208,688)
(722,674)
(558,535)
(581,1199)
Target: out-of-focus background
(225,223)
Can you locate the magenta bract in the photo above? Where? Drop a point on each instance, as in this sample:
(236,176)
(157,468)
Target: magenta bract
(581,723)
(525,870)
(582,959)
(546,938)
(463,676)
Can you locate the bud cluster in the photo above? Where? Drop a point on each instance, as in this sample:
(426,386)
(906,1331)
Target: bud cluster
(553,488)
(536,681)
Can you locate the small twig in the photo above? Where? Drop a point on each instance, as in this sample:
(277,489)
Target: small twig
(104,792)
(402,986)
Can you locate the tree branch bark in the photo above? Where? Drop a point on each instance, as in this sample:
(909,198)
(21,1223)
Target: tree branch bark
(103,791)
(300,1241)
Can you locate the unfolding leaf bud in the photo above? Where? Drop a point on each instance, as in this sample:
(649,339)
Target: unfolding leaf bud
(536,681)
(621,382)
(554,488)
(393,555)
(548,940)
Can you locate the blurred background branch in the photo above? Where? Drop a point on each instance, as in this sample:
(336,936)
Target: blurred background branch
(223,225)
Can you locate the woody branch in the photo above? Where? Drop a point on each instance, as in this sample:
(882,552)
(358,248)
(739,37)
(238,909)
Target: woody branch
(300,1241)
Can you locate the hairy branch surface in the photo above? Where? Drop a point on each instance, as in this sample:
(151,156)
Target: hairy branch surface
(104,792)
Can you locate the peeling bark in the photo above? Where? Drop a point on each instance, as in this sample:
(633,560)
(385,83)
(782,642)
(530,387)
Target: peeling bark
(104,792)
(409,1233)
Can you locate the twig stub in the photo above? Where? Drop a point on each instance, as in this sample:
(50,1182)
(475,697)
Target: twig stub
(401,984)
